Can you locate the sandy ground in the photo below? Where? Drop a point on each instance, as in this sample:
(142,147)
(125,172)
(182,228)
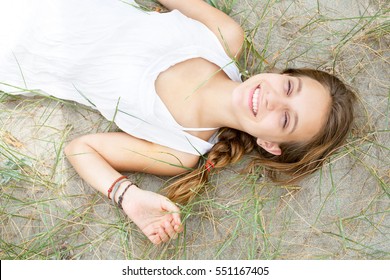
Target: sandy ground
(341,212)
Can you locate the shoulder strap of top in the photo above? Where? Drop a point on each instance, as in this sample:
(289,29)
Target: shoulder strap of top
(199,129)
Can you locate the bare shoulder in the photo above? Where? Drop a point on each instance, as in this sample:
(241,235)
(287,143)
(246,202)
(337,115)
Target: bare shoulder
(227,30)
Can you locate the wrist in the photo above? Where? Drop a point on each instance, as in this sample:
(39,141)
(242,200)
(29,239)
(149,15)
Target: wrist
(125,191)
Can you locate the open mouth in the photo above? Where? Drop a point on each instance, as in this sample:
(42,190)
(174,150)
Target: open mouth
(255,98)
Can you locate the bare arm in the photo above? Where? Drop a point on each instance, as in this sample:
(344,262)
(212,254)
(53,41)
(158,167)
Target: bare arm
(98,158)
(228,32)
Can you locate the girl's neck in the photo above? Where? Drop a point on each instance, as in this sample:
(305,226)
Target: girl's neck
(216,103)
(197,94)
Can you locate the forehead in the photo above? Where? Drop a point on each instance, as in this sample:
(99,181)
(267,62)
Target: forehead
(312,107)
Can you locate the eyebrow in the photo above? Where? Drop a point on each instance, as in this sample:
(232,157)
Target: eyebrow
(299,85)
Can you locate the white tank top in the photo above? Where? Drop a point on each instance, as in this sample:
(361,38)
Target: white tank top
(106,54)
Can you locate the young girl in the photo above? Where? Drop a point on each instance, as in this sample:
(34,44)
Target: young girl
(170,83)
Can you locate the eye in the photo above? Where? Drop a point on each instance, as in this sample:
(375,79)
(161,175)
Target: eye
(285,121)
(289,87)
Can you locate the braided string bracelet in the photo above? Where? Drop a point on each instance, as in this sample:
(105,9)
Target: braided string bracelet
(120,199)
(116,188)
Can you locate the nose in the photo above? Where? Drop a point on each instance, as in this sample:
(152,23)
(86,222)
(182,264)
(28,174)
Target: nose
(274,101)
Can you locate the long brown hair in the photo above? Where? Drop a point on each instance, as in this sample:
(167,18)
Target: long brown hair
(297,159)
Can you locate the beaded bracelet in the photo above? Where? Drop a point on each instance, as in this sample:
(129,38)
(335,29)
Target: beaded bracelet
(120,199)
(113,185)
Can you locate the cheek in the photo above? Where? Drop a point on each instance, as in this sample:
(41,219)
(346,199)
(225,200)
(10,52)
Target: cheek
(272,120)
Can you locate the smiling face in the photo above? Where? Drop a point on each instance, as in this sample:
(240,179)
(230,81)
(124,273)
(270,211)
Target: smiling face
(278,108)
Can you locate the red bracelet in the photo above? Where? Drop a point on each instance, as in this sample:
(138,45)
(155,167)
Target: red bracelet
(113,184)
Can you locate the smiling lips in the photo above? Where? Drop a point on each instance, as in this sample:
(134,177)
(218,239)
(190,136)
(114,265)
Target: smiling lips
(255,98)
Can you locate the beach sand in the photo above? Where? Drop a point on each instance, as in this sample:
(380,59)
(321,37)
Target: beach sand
(340,212)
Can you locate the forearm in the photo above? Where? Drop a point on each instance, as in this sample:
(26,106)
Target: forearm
(158,218)
(91,166)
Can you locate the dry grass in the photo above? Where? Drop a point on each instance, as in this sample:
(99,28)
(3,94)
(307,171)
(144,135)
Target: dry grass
(341,212)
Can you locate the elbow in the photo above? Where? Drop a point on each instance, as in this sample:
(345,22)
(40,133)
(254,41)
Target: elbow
(233,40)
(79,146)
(69,148)
(238,42)
(73,147)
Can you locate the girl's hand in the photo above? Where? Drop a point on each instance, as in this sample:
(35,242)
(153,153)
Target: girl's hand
(156,216)
(97,157)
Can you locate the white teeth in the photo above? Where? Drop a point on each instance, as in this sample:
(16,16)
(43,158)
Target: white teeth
(254,100)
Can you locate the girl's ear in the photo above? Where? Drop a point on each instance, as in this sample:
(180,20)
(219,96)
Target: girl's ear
(270,147)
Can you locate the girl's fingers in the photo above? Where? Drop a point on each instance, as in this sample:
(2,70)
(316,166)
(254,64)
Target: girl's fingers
(174,211)
(170,230)
(163,235)
(178,228)
(155,239)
